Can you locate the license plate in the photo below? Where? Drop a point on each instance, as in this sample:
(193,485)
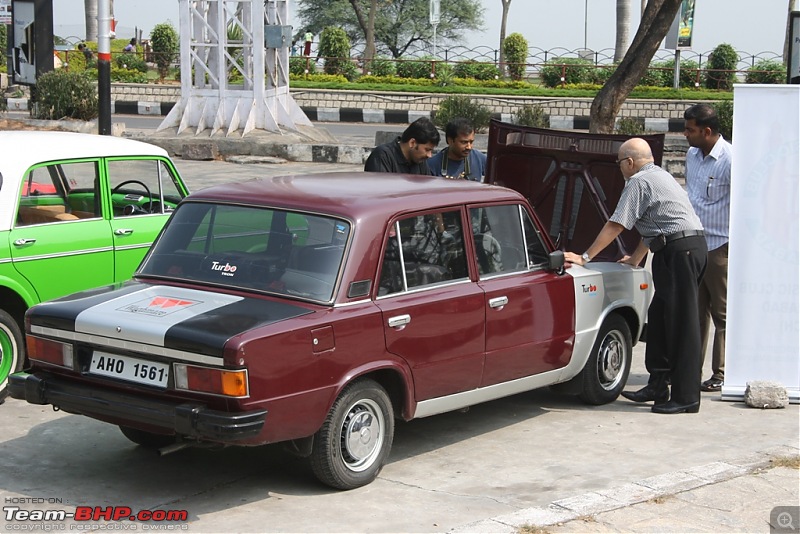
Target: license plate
(130,369)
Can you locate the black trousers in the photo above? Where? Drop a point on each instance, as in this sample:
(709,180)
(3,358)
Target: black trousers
(673,321)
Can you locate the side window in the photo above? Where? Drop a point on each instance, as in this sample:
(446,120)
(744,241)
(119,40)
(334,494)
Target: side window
(141,187)
(537,252)
(59,192)
(424,250)
(499,244)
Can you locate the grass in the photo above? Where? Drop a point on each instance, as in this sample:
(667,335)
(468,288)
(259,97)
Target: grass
(792,462)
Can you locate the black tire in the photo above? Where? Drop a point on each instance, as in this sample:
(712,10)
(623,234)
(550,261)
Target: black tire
(354,441)
(12,350)
(148,440)
(606,370)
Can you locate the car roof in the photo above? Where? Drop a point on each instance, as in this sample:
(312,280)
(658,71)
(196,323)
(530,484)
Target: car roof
(356,195)
(31,147)
(19,150)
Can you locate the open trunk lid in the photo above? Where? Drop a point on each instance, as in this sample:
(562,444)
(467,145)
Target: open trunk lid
(570,178)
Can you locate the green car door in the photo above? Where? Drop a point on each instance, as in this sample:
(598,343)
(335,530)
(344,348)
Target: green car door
(60,242)
(142,192)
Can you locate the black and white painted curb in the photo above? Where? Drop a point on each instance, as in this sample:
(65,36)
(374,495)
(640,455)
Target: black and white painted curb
(371,116)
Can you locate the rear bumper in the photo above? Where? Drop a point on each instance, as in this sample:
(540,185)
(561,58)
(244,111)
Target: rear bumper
(192,420)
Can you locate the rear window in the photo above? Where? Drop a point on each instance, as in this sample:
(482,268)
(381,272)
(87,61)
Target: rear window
(261,249)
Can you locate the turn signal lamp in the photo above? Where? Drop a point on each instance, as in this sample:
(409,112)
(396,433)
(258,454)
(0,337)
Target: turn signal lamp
(49,351)
(643,286)
(211,380)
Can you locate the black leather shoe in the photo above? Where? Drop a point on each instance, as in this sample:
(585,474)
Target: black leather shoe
(647,394)
(675,407)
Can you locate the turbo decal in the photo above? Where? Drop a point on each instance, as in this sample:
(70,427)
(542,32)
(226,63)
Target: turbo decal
(157,309)
(158,306)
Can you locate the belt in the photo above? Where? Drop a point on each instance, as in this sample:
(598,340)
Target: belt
(684,233)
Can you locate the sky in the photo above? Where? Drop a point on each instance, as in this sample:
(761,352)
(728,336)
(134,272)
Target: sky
(750,26)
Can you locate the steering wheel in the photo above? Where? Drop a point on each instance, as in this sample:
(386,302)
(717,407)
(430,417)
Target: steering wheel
(134,208)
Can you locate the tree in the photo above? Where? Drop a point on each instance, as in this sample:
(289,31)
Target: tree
(656,21)
(367,26)
(623,29)
(399,24)
(164,40)
(506,7)
(90,8)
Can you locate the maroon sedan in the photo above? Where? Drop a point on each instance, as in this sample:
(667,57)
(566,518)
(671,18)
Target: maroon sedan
(315,310)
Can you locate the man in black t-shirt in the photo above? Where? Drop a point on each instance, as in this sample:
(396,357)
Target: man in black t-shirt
(409,153)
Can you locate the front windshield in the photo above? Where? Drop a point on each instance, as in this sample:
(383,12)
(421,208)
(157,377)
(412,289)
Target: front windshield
(262,249)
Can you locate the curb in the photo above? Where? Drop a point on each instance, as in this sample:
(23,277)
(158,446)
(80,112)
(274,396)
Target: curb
(594,503)
(372,116)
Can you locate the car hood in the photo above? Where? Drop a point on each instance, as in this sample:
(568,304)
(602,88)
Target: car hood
(175,318)
(571,179)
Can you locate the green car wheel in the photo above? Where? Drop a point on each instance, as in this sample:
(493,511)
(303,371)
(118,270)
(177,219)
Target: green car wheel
(11,348)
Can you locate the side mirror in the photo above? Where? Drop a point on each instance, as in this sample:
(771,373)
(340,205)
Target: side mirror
(555,261)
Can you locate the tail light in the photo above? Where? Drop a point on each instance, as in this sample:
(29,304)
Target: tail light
(47,350)
(210,380)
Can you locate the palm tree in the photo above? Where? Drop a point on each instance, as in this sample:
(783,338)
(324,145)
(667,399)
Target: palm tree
(506,7)
(623,29)
(90,14)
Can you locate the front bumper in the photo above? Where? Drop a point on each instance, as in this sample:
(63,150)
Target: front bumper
(192,420)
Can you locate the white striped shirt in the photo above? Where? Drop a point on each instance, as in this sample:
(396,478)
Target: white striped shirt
(708,182)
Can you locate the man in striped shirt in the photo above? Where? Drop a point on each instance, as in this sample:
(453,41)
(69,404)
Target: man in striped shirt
(659,208)
(708,182)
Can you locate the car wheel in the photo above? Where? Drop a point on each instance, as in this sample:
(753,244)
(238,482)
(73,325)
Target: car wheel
(609,363)
(354,441)
(148,440)
(11,350)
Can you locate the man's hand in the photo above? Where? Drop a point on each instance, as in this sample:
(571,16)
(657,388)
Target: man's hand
(574,258)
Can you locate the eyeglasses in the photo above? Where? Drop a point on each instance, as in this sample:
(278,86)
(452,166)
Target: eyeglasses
(623,159)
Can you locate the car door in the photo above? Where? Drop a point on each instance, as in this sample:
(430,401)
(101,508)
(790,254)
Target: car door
(140,194)
(60,243)
(433,314)
(529,310)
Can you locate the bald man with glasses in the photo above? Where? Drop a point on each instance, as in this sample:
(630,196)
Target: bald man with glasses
(659,208)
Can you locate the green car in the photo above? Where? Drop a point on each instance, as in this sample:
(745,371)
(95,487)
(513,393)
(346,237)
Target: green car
(77,211)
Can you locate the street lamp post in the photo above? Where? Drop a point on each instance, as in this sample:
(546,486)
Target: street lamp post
(585,24)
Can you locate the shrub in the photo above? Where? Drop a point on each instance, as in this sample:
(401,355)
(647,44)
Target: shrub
(3,37)
(444,74)
(3,104)
(515,51)
(724,109)
(299,64)
(630,126)
(62,94)
(131,62)
(721,64)
(164,40)
(462,106)
(476,70)
(334,46)
(381,66)
(349,70)
(686,78)
(127,75)
(767,71)
(531,115)
(417,68)
(575,71)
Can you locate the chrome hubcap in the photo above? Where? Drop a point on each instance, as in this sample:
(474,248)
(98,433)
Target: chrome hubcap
(611,360)
(362,435)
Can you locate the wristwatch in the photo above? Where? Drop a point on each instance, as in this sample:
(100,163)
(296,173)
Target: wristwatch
(585,257)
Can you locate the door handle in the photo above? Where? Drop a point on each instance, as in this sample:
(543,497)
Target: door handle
(498,302)
(400,320)
(123,231)
(24,241)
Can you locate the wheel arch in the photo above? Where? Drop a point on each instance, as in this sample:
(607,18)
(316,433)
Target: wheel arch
(630,316)
(15,304)
(394,377)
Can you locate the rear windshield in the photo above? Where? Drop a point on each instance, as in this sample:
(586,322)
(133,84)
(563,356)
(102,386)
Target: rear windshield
(262,249)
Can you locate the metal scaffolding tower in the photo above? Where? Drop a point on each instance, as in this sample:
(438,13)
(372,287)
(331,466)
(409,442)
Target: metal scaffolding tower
(234,68)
